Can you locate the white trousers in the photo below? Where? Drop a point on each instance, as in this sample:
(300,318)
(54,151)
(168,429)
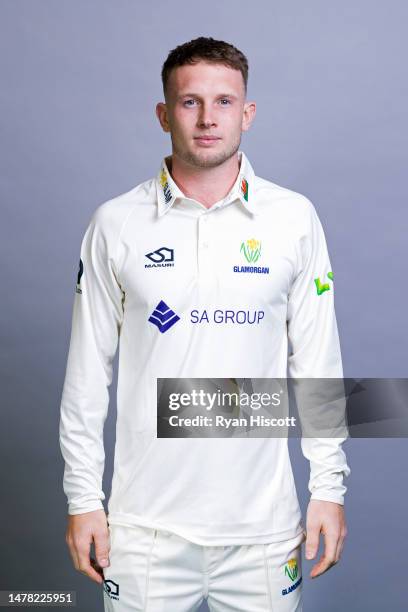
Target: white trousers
(153,570)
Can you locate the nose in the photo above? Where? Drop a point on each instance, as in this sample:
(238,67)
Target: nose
(205,118)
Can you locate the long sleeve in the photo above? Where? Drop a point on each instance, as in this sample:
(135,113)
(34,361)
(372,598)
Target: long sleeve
(96,321)
(315,352)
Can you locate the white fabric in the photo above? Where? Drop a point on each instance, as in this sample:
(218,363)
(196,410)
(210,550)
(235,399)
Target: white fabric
(212,491)
(162,572)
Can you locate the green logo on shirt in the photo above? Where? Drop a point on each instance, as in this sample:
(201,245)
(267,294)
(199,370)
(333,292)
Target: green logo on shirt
(322,287)
(244,189)
(291,569)
(251,249)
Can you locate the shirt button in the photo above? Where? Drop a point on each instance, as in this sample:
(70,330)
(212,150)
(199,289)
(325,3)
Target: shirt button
(205,245)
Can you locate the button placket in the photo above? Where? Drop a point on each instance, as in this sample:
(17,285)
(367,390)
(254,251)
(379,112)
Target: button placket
(204,243)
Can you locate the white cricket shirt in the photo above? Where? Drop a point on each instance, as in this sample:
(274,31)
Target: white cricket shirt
(181,287)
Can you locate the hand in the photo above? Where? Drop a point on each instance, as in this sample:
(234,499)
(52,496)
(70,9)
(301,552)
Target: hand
(328,518)
(81,530)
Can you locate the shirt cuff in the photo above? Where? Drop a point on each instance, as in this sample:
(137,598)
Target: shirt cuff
(330,496)
(89,506)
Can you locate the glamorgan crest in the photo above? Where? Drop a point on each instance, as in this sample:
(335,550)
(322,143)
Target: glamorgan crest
(251,249)
(291,569)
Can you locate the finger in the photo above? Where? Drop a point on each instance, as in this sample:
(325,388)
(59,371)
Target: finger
(312,541)
(328,557)
(84,562)
(97,567)
(72,550)
(340,545)
(339,550)
(102,547)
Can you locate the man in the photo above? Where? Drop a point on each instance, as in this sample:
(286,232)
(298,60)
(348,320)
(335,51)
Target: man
(202,517)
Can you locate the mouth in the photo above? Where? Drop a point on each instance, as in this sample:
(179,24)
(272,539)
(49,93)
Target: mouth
(206,139)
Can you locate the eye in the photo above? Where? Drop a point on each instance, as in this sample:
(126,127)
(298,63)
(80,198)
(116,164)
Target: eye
(225,100)
(187,102)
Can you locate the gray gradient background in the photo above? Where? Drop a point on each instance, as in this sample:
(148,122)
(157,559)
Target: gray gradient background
(79,83)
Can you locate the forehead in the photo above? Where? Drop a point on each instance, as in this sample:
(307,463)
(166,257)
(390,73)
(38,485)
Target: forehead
(205,77)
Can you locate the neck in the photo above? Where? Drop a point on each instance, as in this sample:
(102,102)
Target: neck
(205,185)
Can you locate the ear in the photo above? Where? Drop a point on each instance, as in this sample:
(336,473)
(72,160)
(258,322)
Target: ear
(162,115)
(248,115)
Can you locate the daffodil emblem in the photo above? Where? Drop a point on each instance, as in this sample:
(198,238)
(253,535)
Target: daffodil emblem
(251,249)
(165,186)
(163,177)
(291,569)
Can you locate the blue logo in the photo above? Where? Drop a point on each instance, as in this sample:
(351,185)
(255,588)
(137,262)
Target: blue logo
(227,317)
(292,587)
(111,588)
(163,317)
(160,258)
(80,272)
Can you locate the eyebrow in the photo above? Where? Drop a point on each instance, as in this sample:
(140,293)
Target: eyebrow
(195,95)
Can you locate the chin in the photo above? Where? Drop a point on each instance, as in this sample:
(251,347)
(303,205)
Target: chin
(210,159)
(205,158)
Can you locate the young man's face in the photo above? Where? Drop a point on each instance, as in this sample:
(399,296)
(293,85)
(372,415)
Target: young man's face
(205,112)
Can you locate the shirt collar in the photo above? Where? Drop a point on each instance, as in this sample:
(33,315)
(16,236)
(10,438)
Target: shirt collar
(243,189)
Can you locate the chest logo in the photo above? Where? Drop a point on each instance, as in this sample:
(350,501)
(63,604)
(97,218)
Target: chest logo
(163,317)
(251,249)
(160,258)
